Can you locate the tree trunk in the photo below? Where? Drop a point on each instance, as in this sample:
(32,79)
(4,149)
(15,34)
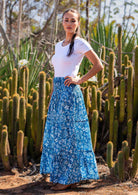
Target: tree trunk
(87,20)
(7,44)
(54,25)
(99,12)
(19,25)
(78,5)
(3,18)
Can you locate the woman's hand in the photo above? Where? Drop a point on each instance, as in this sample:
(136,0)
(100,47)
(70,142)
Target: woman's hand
(69,80)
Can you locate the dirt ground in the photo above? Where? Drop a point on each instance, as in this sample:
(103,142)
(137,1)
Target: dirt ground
(29,181)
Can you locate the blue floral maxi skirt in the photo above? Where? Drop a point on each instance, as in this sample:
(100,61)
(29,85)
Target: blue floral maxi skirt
(67,147)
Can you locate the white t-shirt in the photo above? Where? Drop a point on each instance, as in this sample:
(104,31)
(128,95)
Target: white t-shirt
(69,65)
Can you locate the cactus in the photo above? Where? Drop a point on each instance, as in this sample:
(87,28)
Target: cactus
(115,134)
(41,115)
(101,73)
(29,122)
(99,100)
(122,101)
(111,74)
(20,140)
(10,119)
(94,128)
(5,92)
(121,166)
(106,112)
(119,47)
(129,131)
(26,83)
(15,119)
(117,109)
(94,98)
(1,91)
(135,157)
(111,117)
(1,102)
(86,98)
(34,120)
(47,95)
(129,93)
(135,101)
(109,154)
(10,86)
(5,111)
(22,80)
(4,84)
(4,150)
(35,95)
(25,145)
(14,81)
(22,114)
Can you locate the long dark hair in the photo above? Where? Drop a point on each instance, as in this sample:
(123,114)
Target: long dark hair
(77,32)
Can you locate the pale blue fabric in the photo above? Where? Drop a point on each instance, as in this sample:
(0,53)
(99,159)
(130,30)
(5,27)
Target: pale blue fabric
(67,148)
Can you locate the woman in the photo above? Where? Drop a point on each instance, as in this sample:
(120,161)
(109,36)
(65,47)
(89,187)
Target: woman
(67,148)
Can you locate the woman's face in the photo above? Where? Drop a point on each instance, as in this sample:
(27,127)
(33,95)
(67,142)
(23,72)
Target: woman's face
(70,22)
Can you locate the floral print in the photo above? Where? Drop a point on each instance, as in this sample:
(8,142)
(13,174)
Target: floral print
(67,148)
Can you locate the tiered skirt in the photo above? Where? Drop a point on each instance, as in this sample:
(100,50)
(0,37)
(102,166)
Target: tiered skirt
(67,152)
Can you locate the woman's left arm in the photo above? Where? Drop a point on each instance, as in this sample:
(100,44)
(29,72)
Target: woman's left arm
(97,66)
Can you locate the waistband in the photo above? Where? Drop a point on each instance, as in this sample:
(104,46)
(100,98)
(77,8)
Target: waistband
(59,83)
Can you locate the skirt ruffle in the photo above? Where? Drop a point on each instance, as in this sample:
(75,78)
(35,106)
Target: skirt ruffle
(67,147)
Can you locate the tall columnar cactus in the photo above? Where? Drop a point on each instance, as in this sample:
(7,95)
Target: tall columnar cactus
(94,98)
(22,80)
(10,119)
(101,73)
(122,101)
(129,131)
(106,112)
(29,122)
(115,135)
(135,157)
(86,98)
(22,114)
(5,110)
(47,84)
(4,84)
(20,141)
(15,120)
(4,150)
(130,93)
(41,106)
(25,146)
(111,117)
(6,92)
(109,154)
(99,100)
(111,74)
(135,104)
(10,86)
(125,149)
(120,47)
(94,128)
(1,109)
(121,168)
(35,95)
(126,58)
(14,81)
(34,120)
(26,83)
(117,108)
(1,92)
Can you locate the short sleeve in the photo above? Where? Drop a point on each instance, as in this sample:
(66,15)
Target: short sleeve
(83,46)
